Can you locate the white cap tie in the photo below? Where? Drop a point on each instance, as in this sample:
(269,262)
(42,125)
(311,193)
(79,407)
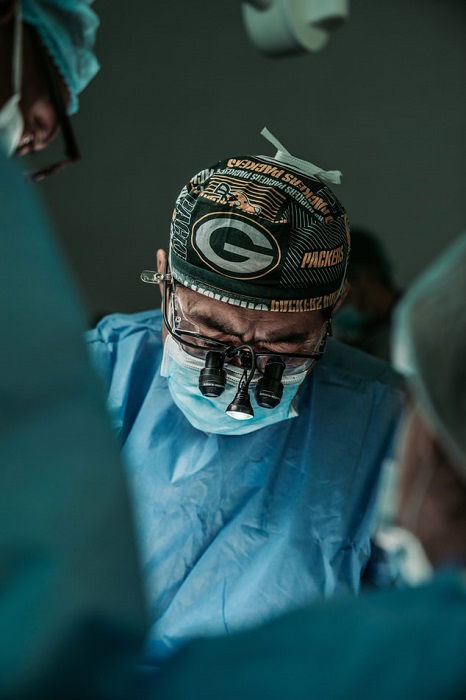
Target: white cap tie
(284,156)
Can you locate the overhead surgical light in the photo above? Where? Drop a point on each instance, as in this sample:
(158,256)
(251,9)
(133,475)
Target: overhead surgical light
(281,27)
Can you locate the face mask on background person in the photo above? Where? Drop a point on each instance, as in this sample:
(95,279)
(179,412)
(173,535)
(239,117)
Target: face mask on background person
(11,120)
(404,547)
(349,322)
(208,414)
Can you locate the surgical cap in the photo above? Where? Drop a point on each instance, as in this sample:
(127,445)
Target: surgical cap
(67,28)
(429,346)
(262,233)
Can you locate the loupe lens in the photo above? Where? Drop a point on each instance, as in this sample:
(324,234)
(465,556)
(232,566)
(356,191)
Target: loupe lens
(212,377)
(269,389)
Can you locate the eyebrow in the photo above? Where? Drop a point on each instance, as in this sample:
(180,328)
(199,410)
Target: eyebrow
(219,325)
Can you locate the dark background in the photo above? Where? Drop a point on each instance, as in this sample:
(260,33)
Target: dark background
(181,87)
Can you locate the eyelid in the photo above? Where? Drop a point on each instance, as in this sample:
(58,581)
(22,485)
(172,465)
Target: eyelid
(206,328)
(220,336)
(286,348)
(230,338)
(217,334)
(299,343)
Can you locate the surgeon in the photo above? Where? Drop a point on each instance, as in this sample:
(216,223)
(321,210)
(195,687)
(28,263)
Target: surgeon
(46,60)
(403,643)
(254,440)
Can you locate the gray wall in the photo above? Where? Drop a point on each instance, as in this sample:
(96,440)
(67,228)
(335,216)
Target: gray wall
(180,88)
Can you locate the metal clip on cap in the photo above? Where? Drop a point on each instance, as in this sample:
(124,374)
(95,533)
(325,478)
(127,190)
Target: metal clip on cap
(152,277)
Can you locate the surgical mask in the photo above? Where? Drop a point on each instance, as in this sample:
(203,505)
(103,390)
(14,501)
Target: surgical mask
(349,321)
(208,414)
(11,120)
(401,544)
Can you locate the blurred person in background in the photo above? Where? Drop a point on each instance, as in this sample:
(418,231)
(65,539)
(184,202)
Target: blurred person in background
(364,319)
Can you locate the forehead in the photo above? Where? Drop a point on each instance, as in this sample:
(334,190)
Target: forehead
(198,306)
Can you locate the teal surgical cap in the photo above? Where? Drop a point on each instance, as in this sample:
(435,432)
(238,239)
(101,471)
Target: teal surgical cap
(429,346)
(67,29)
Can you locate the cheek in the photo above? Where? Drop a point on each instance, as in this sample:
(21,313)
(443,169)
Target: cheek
(41,119)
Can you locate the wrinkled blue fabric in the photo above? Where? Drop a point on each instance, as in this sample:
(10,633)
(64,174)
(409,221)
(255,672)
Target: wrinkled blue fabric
(237,529)
(68,30)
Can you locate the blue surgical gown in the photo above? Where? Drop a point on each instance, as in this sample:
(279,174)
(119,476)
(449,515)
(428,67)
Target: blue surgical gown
(234,530)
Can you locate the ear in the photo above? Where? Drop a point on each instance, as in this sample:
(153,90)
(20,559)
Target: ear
(342,298)
(161,262)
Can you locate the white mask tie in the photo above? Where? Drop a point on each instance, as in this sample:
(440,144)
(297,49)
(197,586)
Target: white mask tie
(11,120)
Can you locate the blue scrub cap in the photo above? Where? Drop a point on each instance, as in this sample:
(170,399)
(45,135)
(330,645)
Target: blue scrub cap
(67,29)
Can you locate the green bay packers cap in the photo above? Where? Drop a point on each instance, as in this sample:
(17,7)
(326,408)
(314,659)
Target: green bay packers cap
(262,233)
